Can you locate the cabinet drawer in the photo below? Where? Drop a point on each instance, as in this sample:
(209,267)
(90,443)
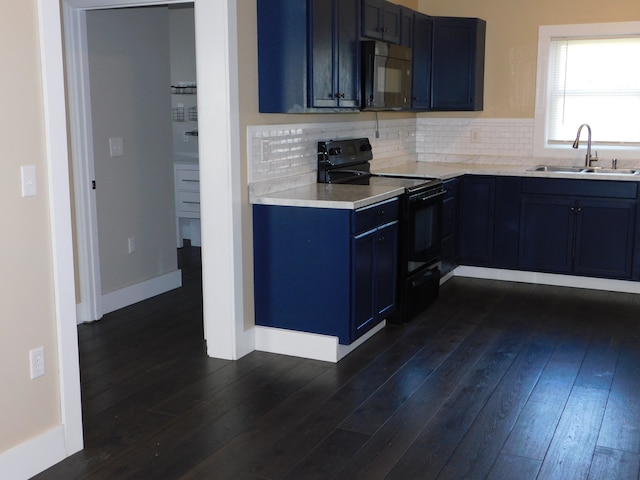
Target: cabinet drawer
(374,215)
(188,202)
(188,180)
(580,187)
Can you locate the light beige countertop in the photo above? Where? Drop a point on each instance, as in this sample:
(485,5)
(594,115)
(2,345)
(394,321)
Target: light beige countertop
(357,196)
(446,170)
(325,195)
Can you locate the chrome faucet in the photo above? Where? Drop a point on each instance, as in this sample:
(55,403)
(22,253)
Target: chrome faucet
(588,157)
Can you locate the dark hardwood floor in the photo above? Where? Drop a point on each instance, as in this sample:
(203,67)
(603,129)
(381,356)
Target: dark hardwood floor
(496,380)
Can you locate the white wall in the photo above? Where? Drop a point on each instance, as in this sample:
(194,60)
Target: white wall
(130,99)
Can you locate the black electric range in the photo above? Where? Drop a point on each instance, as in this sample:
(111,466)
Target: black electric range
(346,161)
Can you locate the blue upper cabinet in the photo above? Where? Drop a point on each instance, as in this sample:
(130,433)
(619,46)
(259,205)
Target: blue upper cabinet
(335,66)
(421,80)
(458,64)
(309,58)
(308,55)
(381,20)
(406,27)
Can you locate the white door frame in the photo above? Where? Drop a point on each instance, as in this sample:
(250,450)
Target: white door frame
(219,146)
(89,306)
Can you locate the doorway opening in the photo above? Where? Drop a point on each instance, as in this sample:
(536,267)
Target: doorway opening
(134,134)
(219,145)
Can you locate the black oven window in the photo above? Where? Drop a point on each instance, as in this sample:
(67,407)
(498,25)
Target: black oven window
(424,236)
(424,223)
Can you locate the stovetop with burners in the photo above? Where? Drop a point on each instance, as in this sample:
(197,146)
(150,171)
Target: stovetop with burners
(346,161)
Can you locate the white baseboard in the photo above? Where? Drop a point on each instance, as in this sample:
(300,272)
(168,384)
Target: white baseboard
(141,291)
(307,345)
(33,456)
(624,286)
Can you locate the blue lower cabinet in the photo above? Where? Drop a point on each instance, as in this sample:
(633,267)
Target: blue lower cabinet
(375,262)
(506,222)
(489,221)
(546,236)
(578,227)
(565,226)
(314,271)
(477,211)
(604,238)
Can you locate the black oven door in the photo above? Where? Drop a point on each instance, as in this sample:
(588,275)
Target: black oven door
(424,230)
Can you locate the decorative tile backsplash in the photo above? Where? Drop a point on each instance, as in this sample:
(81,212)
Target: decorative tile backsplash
(277,151)
(459,136)
(285,155)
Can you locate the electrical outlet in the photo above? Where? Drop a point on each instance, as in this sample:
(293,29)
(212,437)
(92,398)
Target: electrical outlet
(475,135)
(36,362)
(132,244)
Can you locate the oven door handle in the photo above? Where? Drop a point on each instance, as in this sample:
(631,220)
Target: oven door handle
(419,198)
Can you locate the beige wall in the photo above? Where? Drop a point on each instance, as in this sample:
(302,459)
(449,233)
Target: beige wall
(27,316)
(512,42)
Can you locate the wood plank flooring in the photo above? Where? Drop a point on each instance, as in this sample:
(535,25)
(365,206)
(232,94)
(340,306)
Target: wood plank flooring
(496,380)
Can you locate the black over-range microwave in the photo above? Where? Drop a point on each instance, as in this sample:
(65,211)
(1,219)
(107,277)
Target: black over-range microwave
(386,76)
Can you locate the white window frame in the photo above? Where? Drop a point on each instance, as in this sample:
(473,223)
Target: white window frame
(541,147)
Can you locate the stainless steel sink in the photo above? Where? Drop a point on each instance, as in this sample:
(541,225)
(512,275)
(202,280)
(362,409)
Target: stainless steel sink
(589,170)
(612,171)
(557,169)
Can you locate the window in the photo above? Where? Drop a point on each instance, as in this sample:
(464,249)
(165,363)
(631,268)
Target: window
(589,74)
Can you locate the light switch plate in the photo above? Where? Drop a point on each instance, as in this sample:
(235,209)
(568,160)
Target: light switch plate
(116,146)
(28,179)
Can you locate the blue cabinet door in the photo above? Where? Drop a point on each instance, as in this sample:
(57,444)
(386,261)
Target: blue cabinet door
(374,270)
(381,20)
(477,207)
(507,222)
(604,238)
(421,79)
(323,70)
(547,233)
(406,27)
(362,285)
(385,278)
(348,53)
(371,14)
(458,63)
(335,67)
